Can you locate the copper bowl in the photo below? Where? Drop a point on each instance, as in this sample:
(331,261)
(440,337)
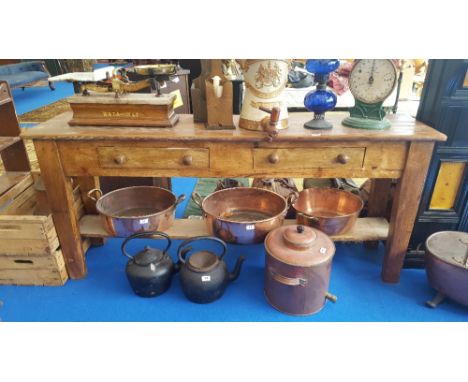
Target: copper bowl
(242,215)
(136,209)
(330,210)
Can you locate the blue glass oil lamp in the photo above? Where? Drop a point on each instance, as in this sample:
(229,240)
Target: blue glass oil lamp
(321,99)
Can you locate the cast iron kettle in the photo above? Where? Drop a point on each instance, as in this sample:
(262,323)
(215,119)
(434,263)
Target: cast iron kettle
(204,276)
(150,271)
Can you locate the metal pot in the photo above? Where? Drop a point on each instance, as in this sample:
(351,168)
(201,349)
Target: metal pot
(242,215)
(297,269)
(447,266)
(204,276)
(136,209)
(330,210)
(150,271)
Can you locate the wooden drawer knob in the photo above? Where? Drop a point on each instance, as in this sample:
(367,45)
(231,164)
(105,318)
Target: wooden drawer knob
(273,158)
(120,159)
(342,158)
(187,160)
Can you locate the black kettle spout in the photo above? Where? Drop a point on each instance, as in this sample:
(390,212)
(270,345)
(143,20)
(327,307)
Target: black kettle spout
(235,273)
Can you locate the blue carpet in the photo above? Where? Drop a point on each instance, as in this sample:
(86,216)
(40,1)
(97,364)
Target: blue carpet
(106,296)
(32,98)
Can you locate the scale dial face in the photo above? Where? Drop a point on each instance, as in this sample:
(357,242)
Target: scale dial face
(371,81)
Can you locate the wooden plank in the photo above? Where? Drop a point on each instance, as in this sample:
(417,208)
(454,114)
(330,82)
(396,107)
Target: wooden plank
(404,209)
(404,128)
(12,262)
(365,229)
(33,247)
(33,270)
(10,179)
(21,204)
(15,157)
(20,230)
(7,142)
(61,200)
(21,185)
(27,235)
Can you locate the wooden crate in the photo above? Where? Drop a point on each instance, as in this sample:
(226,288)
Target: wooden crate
(29,245)
(33,270)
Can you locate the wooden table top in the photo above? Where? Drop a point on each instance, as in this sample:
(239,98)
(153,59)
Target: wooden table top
(404,128)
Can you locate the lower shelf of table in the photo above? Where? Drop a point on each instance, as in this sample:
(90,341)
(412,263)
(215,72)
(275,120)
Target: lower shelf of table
(365,229)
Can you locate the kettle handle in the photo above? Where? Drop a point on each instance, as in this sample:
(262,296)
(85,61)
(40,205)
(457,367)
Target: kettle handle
(145,234)
(181,253)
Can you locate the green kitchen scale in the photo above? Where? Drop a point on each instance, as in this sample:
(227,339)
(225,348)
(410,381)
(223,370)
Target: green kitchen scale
(370,82)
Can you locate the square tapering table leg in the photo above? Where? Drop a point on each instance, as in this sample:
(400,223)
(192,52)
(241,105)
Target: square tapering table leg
(404,209)
(60,196)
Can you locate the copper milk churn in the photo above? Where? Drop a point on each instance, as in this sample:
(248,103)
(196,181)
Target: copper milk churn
(263,102)
(297,269)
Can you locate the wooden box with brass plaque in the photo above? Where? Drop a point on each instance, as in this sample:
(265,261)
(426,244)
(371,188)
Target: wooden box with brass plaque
(297,269)
(104,109)
(111,103)
(370,82)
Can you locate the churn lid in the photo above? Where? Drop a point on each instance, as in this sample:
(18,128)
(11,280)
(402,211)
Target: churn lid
(449,246)
(299,245)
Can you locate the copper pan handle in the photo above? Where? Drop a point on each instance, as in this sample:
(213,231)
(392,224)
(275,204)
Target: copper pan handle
(292,198)
(314,219)
(91,192)
(197,199)
(288,280)
(180,199)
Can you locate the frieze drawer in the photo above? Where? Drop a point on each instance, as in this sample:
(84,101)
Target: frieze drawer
(309,158)
(145,157)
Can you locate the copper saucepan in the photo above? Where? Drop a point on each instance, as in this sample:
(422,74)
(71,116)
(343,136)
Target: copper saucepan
(243,215)
(331,210)
(136,209)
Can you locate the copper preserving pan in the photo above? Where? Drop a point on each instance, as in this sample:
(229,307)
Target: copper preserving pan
(330,210)
(242,215)
(136,209)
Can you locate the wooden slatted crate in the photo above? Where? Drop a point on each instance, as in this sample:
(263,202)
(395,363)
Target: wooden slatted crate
(33,270)
(29,245)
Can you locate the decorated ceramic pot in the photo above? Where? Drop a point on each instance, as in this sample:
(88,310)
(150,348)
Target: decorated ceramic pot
(265,81)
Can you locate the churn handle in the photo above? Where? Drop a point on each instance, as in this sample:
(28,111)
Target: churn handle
(287,280)
(145,234)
